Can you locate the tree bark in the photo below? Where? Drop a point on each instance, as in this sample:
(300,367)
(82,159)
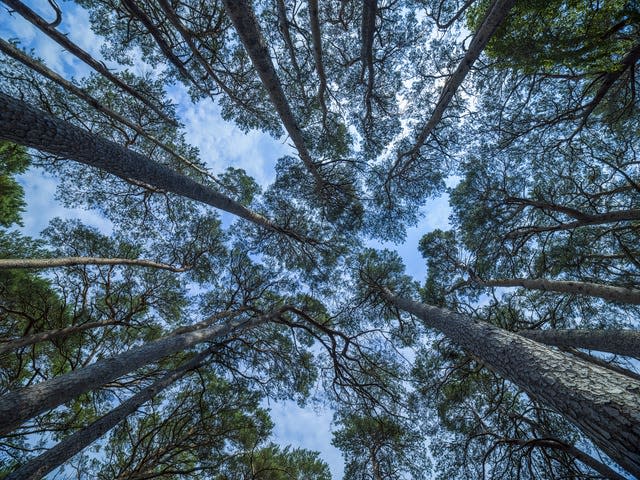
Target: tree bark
(26,60)
(607,292)
(21,405)
(246,24)
(603,404)
(619,342)
(68,45)
(38,467)
(53,335)
(7,263)
(495,15)
(599,219)
(28,126)
(316,38)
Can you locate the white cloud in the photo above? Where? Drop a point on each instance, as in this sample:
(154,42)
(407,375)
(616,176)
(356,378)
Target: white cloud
(307,428)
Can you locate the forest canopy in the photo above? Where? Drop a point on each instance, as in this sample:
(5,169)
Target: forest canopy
(148,336)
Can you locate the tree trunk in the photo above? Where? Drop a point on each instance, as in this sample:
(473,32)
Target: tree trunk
(21,405)
(495,15)
(53,335)
(68,45)
(608,292)
(619,342)
(7,263)
(603,404)
(599,219)
(25,125)
(246,24)
(26,60)
(38,467)
(316,38)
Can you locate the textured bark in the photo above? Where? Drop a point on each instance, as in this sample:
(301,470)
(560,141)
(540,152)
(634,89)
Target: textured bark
(599,361)
(599,219)
(73,444)
(63,40)
(495,15)
(53,335)
(65,332)
(17,54)
(608,292)
(246,24)
(6,263)
(21,405)
(603,404)
(620,342)
(25,125)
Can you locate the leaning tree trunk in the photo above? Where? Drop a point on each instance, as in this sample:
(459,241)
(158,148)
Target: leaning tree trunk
(619,342)
(607,292)
(21,405)
(496,13)
(38,467)
(603,404)
(248,29)
(25,125)
(8,263)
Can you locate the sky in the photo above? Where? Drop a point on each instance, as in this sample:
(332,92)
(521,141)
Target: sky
(221,144)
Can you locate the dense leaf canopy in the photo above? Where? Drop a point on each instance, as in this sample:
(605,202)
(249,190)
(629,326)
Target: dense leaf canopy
(152,346)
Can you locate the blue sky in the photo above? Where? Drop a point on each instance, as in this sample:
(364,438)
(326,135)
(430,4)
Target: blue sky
(221,144)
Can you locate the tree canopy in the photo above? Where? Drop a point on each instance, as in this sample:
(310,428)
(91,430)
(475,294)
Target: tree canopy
(153,346)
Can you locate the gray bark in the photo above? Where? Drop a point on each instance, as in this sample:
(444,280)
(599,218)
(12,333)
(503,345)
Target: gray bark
(68,45)
(17,54)
(38,467)
(607,292)
(599,219)
(53,335)
(495,15)
(248,29)
(21,405)
(603,404)
(7,263)
(316,37)
(28,126)
(619,342)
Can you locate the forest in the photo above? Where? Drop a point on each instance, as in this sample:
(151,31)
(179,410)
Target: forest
(152,346)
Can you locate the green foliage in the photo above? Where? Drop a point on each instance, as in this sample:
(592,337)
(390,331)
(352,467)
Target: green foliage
(13,160)
(563,36)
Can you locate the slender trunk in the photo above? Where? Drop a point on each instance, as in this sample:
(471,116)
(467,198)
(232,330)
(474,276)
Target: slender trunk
(316,38)
(21,405)
(619,342)
(246,24)
(603,404)
(187,36)
(28,126)
(17,54)
(369,12)
(608,292)
(599,219)
(65,332)
(283,25)
(591,462)
(53,335)
(599,361)
(495,15)
(7,263)
(38,467)
(68,45)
